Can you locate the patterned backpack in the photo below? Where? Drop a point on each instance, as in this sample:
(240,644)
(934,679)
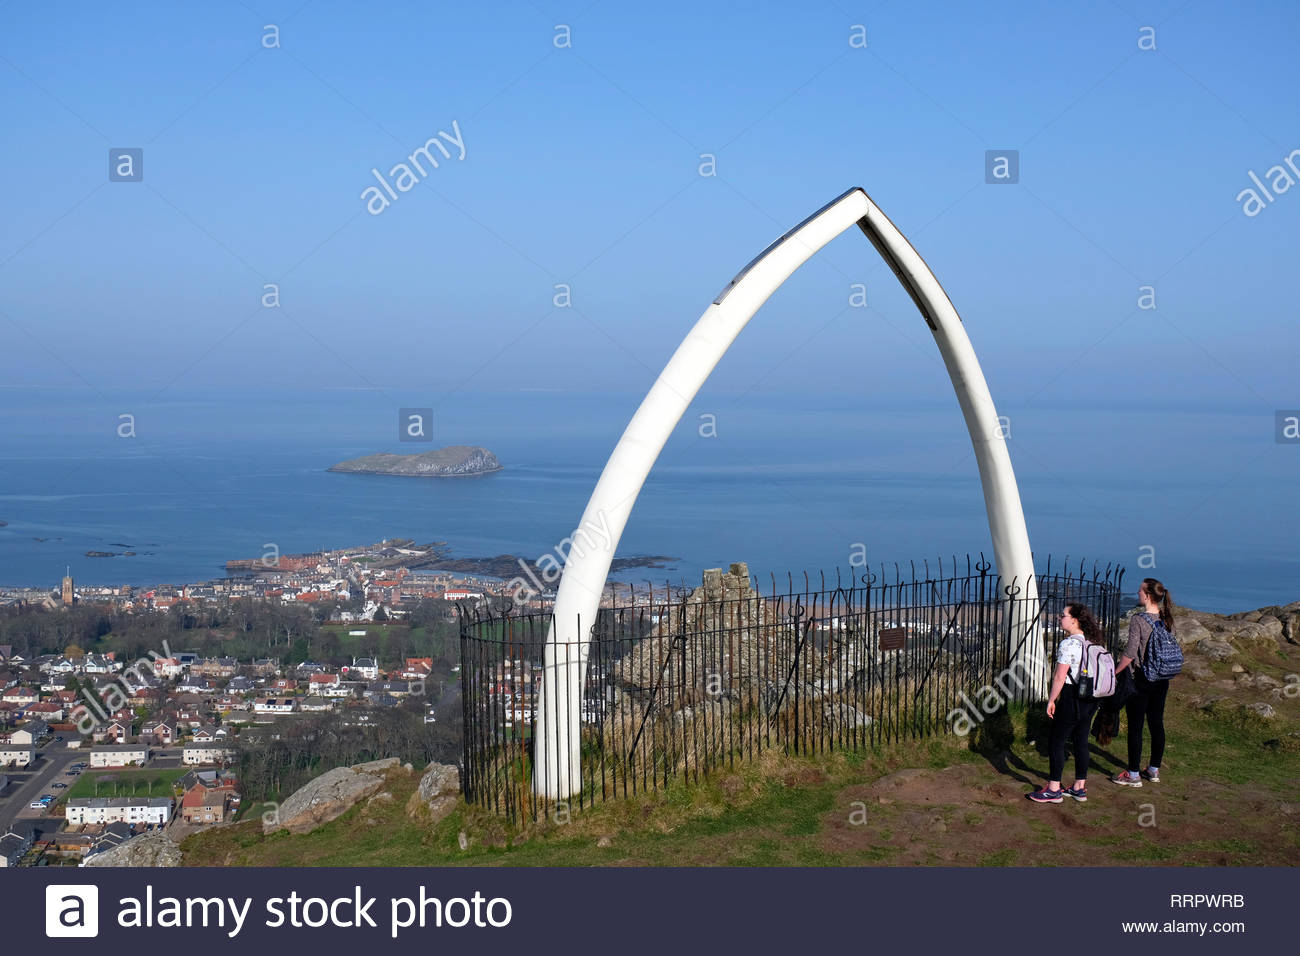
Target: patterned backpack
(1164,656)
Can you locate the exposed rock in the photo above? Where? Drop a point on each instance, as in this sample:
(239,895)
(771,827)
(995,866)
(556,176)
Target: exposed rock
(1190,630)
(1238,669)
(375,766)
(462,840)
(382,796)
(1197,669)
(725,604)
(438,793)
(604,841)
(148,849)
(1216,650)
(1233,710)
(1274,627)
(321,800)
(844,716)
(1290,618)
(1258,634)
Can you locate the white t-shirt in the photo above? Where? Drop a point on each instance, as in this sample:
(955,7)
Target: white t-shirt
(1070,651)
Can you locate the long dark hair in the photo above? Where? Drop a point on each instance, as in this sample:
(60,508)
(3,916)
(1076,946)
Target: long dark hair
(1160,595)
(1087,623)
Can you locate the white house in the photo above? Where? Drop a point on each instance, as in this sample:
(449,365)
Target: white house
(29,733)
(97,664)
(12,755)
(365,668)
(123,755)
(275,705)
(194,754)
(81,810)
(168,668)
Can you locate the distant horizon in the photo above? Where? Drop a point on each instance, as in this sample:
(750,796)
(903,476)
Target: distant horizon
(240,252)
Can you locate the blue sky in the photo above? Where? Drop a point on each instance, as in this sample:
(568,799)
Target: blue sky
(581,167)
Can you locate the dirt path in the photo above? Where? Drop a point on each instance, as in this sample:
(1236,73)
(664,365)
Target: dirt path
(977,814)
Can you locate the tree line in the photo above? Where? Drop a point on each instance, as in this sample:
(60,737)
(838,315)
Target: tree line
(275,761)
(245,629)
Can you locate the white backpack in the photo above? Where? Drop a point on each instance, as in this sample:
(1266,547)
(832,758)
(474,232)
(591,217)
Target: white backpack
(1096,672)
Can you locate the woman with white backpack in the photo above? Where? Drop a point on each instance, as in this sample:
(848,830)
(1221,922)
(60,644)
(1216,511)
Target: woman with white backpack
(1072,706)
(1155,657)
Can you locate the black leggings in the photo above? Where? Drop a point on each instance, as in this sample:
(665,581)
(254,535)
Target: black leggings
(1072,721)
(1147,705)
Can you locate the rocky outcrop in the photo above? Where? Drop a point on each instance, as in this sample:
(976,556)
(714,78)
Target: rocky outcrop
(454,461)
(438,793)
(376,766)
(1190,631)
(840,717)
(725,622)
(328,796)
(148,849)
(1264,629)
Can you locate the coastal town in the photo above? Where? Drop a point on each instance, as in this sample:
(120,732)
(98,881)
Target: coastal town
(375,576)
(384,578)
(97,747)
(152,744)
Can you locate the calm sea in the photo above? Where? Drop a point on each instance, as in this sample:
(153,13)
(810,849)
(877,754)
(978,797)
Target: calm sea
(789,483)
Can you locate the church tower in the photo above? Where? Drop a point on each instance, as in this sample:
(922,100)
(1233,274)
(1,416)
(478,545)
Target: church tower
(67,588)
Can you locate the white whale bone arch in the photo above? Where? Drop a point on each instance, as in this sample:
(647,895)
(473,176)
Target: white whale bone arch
(557,772)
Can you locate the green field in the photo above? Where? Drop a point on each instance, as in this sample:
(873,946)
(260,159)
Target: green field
(126,783)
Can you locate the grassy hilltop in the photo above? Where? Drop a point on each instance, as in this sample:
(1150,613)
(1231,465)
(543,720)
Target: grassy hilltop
(1227,798)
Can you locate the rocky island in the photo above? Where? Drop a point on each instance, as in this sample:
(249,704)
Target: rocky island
(454,461)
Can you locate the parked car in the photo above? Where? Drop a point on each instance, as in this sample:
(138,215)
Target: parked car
(60,786)
(37,805)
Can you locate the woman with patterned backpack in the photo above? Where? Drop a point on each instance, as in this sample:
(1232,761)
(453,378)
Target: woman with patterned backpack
(1072,707)
(1155,657)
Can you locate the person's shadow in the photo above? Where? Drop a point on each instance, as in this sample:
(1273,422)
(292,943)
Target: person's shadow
(993,739)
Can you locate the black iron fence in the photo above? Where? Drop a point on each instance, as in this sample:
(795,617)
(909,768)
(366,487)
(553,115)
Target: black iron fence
(679,683)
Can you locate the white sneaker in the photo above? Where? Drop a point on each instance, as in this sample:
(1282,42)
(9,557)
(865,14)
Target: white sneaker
(1126,779)
(1152,775)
